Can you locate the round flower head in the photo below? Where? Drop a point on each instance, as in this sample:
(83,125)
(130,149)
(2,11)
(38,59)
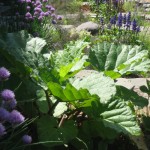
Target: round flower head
(54,22)
(4,73)
(27,139)
(16,117)
(59,17)
(4,114)
(7,95)
(9,104)
(2,130)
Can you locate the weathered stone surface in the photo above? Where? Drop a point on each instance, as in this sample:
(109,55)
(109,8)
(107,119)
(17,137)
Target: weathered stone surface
(147,9)
(89,26)
(66,27)
(147,17)
(146,5)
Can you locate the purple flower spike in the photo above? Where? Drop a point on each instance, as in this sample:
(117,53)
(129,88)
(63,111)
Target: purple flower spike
(16,117)
(7,95)
(2,130)
(28,15)
(27,139)
(134,25)
(138,29)
(4,74)
(119,20)
(4,114)
(48,7)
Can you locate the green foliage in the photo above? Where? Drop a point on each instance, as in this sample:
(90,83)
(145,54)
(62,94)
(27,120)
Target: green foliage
(97,84)
(49,131)
(120,58)
(77,111)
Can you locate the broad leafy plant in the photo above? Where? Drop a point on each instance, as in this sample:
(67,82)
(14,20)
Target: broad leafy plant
(119,58)
(78,113)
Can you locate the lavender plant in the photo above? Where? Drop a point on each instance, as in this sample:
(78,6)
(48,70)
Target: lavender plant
(121,29)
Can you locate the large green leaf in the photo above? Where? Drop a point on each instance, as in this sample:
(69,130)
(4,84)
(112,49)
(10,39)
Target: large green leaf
(71,59)
(41,101)
(23,48)
(116,116)
(120,58)
(97,84)
(79,97)
(130,95)
(48,130)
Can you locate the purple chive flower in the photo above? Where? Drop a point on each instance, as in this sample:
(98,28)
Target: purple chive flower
(16,117)
(48,7)
(134,25)
(52,9)
(9,104)
(54,22)
(46,14)
(38,9)
(42,14)
(59,17)
(27,139)
(36,13)
(21,1)
(4,74)
(28,8)
(28,15)
(7,95)
(28,1)
(53,15)
(40,18)
(37,3)
(119,20)
(2,130)
(44,1)
(4,114)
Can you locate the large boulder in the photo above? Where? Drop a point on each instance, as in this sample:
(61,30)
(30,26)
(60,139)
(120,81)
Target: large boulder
(88,26)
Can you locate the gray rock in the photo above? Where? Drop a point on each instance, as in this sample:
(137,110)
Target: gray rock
(88,26)
(146,5)
(147,9)
(66,27)
(147,17)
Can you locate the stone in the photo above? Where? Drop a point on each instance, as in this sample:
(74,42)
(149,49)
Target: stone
(147,17)
(147,9)
(88,26)
(146,5)
(66,27)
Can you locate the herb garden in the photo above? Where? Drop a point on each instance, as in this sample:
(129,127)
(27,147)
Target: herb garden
(60,66)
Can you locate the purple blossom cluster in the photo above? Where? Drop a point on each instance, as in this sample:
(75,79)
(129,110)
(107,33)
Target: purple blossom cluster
(8,113)
(125,21)
(39,10)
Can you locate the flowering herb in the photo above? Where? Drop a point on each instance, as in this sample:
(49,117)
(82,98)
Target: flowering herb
(16,117)
(4,74)
(7,95)
(2,130)
(27,139)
